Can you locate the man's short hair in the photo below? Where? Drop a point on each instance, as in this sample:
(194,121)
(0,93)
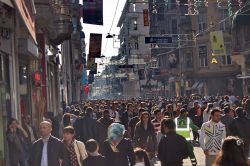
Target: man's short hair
(169,123)
(226,110)
(156,111)
(91,145)
(215,110)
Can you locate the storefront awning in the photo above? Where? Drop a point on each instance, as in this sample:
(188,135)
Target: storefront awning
(201,84)
(195,85)
(7,2)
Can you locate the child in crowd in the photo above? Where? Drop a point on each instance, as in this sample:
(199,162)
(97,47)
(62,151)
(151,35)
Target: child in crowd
(141,158)
(94,158)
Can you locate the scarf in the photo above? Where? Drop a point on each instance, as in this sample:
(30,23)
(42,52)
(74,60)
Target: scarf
(72,155)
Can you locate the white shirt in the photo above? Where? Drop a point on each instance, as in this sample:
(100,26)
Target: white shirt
(211,136)
(140,164)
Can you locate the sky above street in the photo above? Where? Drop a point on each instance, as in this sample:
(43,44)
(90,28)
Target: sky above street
(108,14)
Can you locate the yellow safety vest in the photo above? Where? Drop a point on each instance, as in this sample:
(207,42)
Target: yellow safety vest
(182,127)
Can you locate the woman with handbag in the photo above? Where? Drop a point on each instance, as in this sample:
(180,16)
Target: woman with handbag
(76,149)
(144,135)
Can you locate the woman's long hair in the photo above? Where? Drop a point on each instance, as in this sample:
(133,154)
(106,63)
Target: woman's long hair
(232,152)
(149,119)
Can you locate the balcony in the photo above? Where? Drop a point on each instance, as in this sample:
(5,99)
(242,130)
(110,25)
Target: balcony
(61,28)
(133,15)
(134,33)
(54,19)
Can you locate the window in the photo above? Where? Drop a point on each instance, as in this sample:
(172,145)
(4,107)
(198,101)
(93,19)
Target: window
(202,22)
(134,7)
(172,4)
(226,59)
(189,60)
(203,56)
(223,13)
(160,14)
(154,63)
(136,44)
(174,26)
(135,24)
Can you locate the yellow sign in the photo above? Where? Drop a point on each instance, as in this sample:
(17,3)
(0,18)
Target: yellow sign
(214,60)
(217,43)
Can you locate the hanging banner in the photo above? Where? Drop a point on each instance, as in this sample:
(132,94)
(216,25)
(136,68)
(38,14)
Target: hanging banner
(90,63)
(217,43)
(93,12)
(93,69)
(145,17)
(91,78)
(95,45)
(173,59)
(84,77)
(141,73)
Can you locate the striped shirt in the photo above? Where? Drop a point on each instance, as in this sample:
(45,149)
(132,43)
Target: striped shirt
(157,125)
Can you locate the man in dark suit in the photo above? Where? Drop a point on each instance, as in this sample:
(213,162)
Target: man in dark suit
(48,150)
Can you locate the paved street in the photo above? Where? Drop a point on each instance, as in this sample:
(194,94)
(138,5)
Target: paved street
(199,155)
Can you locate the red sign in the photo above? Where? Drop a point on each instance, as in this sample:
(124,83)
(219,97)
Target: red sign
(145,17)
(38,76)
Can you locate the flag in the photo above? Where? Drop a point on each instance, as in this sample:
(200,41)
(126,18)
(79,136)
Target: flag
(95,45)
(217,43)
(90,63)
(84,77)
(93,12)
(145,17)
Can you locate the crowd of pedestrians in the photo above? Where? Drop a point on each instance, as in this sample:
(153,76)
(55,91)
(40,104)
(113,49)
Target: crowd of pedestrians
(136,132)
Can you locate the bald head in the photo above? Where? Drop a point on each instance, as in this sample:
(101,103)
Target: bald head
(45,129)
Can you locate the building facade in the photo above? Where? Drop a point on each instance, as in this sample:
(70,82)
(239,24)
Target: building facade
(133,30)
(187,65)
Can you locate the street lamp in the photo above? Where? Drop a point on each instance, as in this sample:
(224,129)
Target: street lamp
(110,36)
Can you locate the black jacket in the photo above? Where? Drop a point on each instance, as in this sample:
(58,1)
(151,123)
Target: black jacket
(55,149)
(95,161)
(172,149)
(123,157)
(86,128)
(145,139)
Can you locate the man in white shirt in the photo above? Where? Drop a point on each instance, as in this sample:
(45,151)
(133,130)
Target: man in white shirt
(212,135)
